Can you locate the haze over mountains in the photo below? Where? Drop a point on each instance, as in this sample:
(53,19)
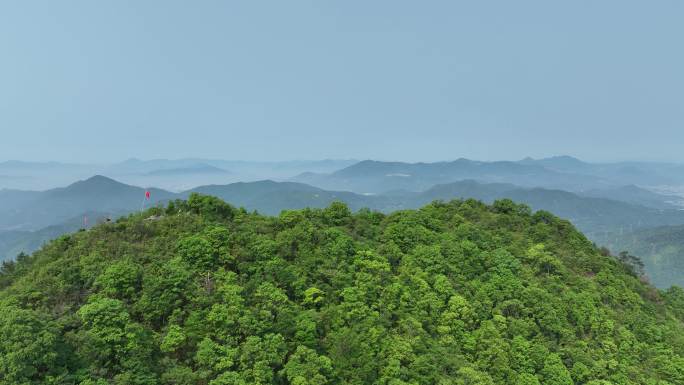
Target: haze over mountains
(561,172)
(605,201)
(558,172)
(170,174)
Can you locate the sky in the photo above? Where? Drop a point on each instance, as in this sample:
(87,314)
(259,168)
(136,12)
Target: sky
(87,81)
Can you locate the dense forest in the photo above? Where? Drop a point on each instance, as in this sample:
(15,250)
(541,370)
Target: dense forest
(200,292)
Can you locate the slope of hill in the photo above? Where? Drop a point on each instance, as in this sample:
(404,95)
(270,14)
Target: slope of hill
(453,293)
(637,195)
(619,173)
(54,206)
(14,242)
(661,248)
(596,215)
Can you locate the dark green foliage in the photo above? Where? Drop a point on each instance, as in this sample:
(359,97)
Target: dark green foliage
(210,207)
(454,293)
(29,346)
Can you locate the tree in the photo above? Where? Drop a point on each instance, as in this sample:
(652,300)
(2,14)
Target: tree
(165,288)
(121,280)
(197,251)
(554,372)
(114,343)
(470,376)
(210,207)
(313,296)
(336,214)
(174,338)
(28,347)
(306,367)
(527,379)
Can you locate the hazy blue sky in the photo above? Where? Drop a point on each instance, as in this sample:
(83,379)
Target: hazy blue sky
(410,80)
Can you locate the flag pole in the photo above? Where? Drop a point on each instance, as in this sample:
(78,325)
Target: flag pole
(145,198)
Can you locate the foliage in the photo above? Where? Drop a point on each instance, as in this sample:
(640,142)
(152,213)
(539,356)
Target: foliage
(452,293)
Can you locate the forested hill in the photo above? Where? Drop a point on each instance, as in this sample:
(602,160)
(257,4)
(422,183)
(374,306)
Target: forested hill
(454,293)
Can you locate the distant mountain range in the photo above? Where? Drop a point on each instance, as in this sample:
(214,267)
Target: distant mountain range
(30,210)
(606,201)
(637,195)
(196,169)
(170,174)
(379,177)
(565,173)
(368,176)
(28,218)
(620,173)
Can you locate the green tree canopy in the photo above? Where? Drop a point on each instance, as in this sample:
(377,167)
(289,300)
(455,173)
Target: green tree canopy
(454,293)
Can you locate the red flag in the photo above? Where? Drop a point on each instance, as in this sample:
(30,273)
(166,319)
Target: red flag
(147,195)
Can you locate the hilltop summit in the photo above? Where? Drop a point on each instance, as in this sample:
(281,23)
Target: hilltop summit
(452,293)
